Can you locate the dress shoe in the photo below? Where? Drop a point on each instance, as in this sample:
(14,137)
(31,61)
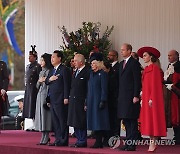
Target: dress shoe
(177,142)
(51,144)
(61,144)
(31,130)
(152,150)
(82,145)
(72,145)
(123,148)
(45,142)
(96,146)
(131,148)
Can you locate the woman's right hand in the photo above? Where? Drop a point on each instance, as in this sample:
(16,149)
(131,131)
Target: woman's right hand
(150,103)
(42,79)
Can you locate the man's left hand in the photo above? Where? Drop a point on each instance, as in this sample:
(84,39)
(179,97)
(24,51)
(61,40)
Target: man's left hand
(66,101)
(135,100)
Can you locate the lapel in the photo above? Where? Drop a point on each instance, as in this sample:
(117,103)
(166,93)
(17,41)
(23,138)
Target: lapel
(115,66)
(32,65)
(80,73)
(58,69)
(126,66)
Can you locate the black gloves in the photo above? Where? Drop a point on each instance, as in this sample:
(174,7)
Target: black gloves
(102,105)
(46,107)
(48,99)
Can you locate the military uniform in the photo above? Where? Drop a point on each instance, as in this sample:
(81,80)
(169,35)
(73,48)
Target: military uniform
(4,81)
(31,78)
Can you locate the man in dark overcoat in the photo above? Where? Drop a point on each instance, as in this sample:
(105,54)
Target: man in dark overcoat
(59,81)
(129,92)
(113,92)
(31,77)
(77,98)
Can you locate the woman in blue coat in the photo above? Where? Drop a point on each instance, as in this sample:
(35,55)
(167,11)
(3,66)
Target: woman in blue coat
(97,109)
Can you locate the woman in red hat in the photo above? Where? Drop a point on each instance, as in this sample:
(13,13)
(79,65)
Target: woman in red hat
(152,115)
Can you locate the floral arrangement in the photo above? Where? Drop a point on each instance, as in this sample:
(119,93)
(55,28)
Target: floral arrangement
(85,40)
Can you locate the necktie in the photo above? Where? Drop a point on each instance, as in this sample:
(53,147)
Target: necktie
(124,64)
(54,71)
(77,73)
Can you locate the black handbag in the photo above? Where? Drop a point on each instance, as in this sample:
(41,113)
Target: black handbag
(46,107)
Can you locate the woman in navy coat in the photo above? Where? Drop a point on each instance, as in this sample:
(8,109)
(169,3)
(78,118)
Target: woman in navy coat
(97,109)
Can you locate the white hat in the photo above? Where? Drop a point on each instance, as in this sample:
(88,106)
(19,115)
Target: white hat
(19,97)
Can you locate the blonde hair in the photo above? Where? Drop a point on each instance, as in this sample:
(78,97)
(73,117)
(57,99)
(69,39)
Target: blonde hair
(100,64)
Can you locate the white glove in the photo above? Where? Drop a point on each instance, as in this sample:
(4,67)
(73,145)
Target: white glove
(169,86)
(141,94)
(150,103)
(3,92)
(141,102)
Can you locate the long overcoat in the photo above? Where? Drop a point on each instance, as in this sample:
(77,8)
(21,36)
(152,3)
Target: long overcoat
(77,98)
(97,119)
(152,117)
(42,116)
(31,78)
(129,87)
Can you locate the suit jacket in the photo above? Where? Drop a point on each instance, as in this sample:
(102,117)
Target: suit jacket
(4,78)
(60,88)
(113,82)
(77,98)
(129,87)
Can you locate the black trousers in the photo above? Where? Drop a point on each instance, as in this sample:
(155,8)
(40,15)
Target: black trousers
(131,126)
(59,114)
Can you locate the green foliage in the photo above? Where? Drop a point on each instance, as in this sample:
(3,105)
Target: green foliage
(85,40)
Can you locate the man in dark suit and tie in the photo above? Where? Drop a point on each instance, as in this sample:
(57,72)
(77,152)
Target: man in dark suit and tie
(59,80)
(129,93)
(113,88)
(77,98)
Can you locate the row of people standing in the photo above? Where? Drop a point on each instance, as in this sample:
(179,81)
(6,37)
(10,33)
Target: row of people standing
(129,81)
(152,111)
(50,80)
(55,113)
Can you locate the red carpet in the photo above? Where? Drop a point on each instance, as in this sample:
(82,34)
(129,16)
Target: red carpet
(22,142)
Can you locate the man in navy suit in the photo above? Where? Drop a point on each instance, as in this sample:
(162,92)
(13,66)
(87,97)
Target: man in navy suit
(59,80)
(128,98)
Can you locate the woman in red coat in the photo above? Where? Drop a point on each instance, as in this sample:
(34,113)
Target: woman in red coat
(152,116)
